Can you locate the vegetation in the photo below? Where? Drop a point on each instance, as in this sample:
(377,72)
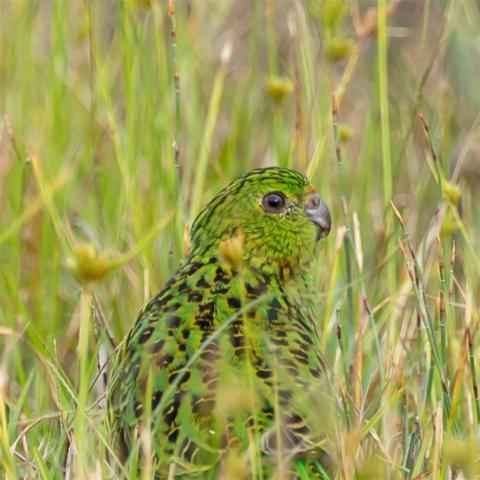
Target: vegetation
(119,120)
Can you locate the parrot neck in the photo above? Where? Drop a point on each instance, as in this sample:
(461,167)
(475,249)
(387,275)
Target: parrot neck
(284,271)
(234,250)
(257,265)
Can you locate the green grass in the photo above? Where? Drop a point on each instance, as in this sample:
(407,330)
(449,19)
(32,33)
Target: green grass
(104,162)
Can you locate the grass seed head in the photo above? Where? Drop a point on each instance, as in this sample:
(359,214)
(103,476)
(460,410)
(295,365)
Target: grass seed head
(234,398)
(235,466)
(372,469)
(462,454)
(87,265)
(278,87)
(338,49)
(345,132)
(452,192)
(231,251)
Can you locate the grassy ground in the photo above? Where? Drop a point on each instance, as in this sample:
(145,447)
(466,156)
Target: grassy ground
(104,159)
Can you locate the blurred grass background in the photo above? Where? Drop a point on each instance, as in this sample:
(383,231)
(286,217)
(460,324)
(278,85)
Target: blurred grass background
(114,133)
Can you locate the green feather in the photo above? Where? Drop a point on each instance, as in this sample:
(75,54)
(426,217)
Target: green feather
(230,345)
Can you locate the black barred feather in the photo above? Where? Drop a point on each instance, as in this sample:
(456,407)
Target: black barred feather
(226,346)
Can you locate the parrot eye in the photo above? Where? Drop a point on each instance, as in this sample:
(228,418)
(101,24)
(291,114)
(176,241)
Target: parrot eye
(274,202)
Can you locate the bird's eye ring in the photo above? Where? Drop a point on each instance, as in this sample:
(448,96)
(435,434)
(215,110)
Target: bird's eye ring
(274,202)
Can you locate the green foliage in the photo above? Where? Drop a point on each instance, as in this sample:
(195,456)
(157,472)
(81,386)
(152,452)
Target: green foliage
(114,133)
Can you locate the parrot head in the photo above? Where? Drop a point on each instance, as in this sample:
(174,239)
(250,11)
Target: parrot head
(277,213)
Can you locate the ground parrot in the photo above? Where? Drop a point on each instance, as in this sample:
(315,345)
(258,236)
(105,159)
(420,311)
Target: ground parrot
(225,360)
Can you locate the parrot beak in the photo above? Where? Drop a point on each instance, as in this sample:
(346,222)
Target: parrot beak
(317,211)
